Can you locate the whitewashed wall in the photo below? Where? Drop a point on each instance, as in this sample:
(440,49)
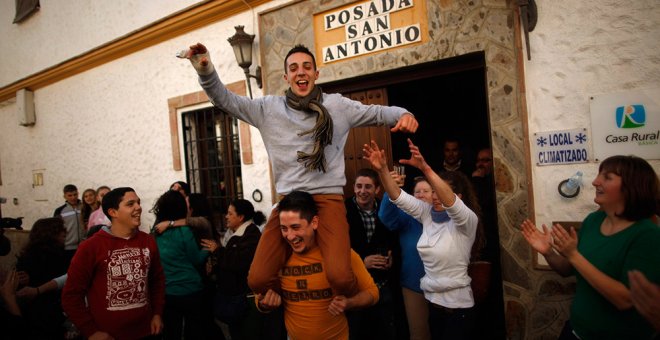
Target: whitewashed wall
(110,125)
(581,49)
(64,29)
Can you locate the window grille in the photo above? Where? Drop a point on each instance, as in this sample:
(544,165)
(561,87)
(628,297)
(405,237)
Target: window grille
(212,154)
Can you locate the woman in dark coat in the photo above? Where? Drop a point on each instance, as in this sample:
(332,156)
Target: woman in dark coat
(234,303)
(43,259)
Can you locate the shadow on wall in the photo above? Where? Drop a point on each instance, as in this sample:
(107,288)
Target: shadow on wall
(18,239)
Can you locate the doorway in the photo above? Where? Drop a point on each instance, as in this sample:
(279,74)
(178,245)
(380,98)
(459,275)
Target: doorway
(449,100)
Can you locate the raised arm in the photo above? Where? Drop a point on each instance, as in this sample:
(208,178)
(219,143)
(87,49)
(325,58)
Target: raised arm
(376,157)
(407,123)
(199,58)
(442,189)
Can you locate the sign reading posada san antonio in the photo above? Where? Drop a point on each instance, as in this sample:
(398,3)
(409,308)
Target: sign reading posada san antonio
(368,27)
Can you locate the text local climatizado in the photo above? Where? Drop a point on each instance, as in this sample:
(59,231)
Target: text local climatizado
(567,155)
(368,29)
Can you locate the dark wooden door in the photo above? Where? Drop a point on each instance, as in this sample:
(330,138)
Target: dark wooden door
(360,136)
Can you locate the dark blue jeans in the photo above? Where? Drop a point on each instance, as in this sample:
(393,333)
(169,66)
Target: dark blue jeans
(180,309)
(451,323)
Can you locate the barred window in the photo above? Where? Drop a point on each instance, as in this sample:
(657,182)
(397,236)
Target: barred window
(212,154)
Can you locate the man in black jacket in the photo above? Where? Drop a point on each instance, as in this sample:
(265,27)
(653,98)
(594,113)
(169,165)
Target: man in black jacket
(379,249)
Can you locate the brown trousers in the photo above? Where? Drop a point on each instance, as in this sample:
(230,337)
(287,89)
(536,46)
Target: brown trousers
(331,236)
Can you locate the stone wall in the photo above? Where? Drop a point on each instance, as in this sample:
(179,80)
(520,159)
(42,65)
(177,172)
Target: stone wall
(536,301)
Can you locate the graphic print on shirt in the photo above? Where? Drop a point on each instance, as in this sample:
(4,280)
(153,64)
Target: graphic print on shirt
(127,278)
(303,293)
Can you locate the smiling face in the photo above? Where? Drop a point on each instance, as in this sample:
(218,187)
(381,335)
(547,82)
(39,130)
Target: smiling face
(365,192)
(129,212)
(423,191)
(297,231)
(301,73)
(89,196)
(485,161)
(608,191)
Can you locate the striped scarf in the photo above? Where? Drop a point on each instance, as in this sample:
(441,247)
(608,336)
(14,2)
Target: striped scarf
(322,130)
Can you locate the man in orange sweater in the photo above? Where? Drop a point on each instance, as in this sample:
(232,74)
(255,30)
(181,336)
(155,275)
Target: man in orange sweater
(311,308)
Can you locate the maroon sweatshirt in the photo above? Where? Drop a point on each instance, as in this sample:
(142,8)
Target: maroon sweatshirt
(123,282)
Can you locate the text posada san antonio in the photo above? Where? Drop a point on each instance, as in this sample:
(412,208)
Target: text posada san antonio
(368,29)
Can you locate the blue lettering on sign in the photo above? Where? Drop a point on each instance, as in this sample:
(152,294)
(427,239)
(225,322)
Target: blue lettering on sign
(563,138)
(562,156)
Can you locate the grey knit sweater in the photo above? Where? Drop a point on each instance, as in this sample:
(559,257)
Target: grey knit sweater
(279,126)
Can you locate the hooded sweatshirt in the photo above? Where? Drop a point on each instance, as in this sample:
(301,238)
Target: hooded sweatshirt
(123,282)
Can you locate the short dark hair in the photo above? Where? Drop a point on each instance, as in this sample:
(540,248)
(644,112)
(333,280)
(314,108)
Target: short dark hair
(70,188)
(639,185)
(451,139)
(371,173)
(299,201)
(299,48)
(112,199)
(170,206)
(199,206)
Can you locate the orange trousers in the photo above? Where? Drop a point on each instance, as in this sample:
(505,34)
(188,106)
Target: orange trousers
(331,236)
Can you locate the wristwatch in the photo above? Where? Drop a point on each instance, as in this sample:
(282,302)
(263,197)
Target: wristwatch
(171,224)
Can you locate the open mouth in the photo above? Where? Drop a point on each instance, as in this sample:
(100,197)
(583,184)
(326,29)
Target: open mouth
(297,242)
(302,84)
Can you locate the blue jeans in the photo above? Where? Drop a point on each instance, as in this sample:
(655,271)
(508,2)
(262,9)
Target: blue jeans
(180,309)
(451,323)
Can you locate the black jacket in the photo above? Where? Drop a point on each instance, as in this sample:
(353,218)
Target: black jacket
(382,238)
(234,260)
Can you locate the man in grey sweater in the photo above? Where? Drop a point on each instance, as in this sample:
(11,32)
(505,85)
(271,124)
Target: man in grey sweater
(304,133)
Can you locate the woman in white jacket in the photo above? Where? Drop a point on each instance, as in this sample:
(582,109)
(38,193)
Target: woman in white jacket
(449,231)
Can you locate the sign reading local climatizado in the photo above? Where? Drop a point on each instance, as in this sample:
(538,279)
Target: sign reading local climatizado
(626,123)
(368,27)
(560,147)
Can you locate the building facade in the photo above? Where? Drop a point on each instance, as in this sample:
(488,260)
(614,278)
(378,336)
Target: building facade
(113,105)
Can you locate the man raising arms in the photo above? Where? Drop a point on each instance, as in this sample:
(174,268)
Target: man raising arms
(304,133)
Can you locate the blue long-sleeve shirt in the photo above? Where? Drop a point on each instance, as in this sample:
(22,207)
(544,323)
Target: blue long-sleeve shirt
(412,268)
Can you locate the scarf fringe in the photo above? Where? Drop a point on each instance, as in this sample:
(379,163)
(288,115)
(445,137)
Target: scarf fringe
(321,132)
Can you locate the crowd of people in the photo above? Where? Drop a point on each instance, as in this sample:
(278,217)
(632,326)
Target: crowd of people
(325,266)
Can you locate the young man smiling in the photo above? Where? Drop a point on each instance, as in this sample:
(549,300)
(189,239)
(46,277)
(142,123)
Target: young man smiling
(311,309)
(304,133)
(118,272)
(379,249)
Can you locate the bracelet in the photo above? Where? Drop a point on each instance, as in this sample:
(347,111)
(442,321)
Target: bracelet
(171,224)
(38,291)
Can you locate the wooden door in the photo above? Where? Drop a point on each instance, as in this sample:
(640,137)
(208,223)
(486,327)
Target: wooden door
(360,136)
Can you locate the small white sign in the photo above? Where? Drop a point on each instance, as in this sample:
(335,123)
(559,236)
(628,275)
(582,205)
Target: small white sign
(560,147)
(626,123)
